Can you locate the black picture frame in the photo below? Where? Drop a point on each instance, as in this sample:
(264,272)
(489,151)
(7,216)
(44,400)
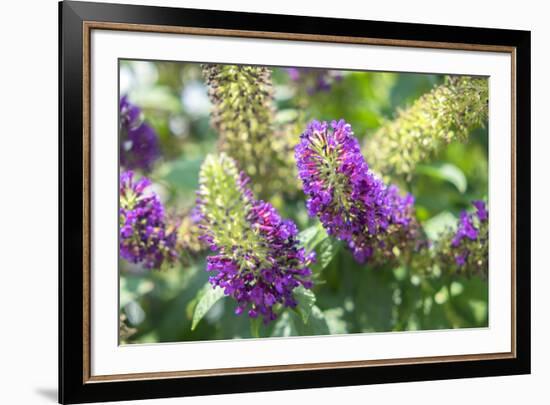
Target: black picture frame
(73,384)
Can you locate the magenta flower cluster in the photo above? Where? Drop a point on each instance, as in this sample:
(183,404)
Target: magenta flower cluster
(144,234)
(139,144)
(352,203)
(469,230)
(266,266)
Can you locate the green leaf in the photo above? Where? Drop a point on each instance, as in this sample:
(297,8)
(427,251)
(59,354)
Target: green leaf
(157,98)
(183,173)
(290,324)
(438,224)
(312,236)
(326,250)
(208,296)
(132,288)
(134,312)
(446,172)
(335,321)
(306,300)
(316,238)
(317,324)
(285,326)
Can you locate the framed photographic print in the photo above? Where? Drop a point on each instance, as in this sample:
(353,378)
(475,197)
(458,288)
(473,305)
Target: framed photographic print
(256,202)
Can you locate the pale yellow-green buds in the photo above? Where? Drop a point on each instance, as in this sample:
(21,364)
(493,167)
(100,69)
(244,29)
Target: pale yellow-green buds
(243,115)
(447,113)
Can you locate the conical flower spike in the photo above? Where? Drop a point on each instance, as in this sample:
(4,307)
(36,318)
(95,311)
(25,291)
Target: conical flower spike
(351,202)
(258,262)
(145,237)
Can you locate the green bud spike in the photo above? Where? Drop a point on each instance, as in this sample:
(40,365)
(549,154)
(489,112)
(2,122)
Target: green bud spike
(225,202)
(243,116)
(447,113)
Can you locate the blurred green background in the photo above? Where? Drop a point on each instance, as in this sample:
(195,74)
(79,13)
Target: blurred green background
(158,306)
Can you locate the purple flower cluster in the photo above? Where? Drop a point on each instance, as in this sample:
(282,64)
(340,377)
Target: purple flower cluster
(144,234)
(262,265)
(139,145)
(469,228)
(465,229)
(351,202)
(481,210)
(314,80)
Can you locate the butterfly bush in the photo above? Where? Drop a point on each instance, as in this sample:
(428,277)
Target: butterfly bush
(139,144)
(243,114)
(465,250)
(447,113)
(352,203)
(258,260)
(314,80)
(145,237)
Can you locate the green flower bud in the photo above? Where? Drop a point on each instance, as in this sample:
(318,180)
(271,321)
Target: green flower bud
(447,113)
(243,116)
